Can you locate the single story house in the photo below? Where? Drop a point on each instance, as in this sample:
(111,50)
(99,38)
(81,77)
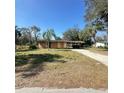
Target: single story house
(60,44)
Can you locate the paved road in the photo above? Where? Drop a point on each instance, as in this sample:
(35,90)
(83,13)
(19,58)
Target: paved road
(101,58)
(42,90)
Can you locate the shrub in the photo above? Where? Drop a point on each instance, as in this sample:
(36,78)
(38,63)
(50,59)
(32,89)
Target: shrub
(32,47)
(106,47)
(100,47)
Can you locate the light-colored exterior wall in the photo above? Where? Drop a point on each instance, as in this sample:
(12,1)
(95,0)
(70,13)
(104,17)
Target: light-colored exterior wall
(100,44)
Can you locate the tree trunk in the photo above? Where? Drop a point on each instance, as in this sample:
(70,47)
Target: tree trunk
(35,39)
(94,36)
(30,36)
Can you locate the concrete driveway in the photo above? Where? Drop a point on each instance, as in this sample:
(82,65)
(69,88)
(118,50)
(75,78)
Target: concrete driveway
(101,58)
(45,90)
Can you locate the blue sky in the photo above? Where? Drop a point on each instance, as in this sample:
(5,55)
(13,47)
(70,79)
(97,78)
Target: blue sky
(57,14)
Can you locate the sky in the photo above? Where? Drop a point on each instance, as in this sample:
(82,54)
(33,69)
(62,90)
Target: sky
(57,14)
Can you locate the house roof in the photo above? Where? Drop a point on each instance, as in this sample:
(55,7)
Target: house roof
(62,41)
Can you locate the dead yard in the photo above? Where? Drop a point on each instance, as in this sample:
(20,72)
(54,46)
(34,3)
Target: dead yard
(58,68)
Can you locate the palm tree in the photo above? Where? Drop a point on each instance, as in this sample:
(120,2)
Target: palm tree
(48,36)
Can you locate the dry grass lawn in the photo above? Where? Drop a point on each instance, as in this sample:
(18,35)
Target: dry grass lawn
(99,50)
(59,68)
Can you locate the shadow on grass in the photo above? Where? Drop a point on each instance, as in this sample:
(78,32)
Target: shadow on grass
(35,62)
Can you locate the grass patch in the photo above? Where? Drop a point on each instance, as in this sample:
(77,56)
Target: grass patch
(102,51)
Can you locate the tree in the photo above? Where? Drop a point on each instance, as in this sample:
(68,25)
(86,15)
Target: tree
(105,38)
(17,35)
(71,34)
(27,33)
(99,39)
(93,29)
(48,36)
(89,33)
(25,36)
(36,33)
(86,36)
(97,12)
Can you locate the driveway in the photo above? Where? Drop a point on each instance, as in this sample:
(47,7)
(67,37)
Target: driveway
(45,90)
(101,58)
